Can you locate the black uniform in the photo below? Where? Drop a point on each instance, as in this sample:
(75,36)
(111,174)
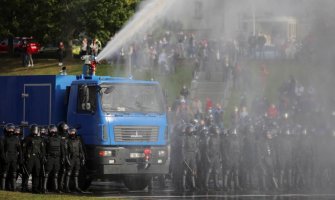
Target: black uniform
(11,156)
(176,157)
(63,132)
(213,156)
(75,157)
(202,161)
(34,152)
(233,161)
(55,155)
(189,152)
(267,160)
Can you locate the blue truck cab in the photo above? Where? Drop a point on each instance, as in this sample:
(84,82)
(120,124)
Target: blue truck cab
(123,124)
(121,121)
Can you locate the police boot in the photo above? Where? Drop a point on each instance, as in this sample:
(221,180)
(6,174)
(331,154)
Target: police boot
(14,182)
(35,184)
(56,185)
(67,184)
(24,184)
(206,184)
(216,182)
(3,182)
(45,183)
(61,181)
(184,183)
(225,183)
(265,188)
(76,185)
(290,179)
(193,184)
(237,183)
(281,180)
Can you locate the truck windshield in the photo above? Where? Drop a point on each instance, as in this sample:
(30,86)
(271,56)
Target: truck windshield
(140,98)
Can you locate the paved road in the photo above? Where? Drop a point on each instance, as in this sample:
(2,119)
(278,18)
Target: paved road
(117,190)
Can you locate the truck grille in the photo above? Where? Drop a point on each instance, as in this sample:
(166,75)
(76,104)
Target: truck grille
(136,133)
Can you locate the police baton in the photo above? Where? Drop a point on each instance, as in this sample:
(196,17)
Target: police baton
(43,169)
(190,168)
(24,170)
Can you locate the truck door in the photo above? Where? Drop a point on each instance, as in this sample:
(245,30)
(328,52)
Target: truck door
(37,104)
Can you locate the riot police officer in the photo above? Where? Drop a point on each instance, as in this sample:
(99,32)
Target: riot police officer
(55,155)
(267,161)
(63,130)
(34,152)
(44,137)
(11,155)
(233,151)
(213,156)
(18,132)
(202,133)
(75,158)
(176,157)
(189,152)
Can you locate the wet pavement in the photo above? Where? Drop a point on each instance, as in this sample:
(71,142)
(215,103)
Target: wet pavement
(117,190)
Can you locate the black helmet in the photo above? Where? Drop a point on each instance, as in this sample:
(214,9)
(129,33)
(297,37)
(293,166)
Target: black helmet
(53,129)
(72,132)
(43,130)
(34,129)
(189,129)
(9,129)
(233,132)
(63,128)
(215,130)
(17,131)
(210,119)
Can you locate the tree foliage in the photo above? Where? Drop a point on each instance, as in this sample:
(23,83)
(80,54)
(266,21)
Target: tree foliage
(53,20)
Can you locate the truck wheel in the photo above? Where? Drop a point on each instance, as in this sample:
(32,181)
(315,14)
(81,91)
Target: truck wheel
(136,182)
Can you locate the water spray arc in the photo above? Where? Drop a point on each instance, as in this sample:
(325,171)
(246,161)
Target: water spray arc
(143,20)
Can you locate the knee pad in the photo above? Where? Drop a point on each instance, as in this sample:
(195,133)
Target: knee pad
(76,174)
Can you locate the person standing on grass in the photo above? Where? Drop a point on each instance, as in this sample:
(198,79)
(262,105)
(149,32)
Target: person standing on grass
(84,47)
(61,53)
(30,55)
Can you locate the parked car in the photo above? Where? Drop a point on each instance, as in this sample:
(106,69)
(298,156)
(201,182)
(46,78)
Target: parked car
(4,48)
(31,43)
(50,50)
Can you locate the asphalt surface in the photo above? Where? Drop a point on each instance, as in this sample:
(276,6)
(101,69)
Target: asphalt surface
(118,190)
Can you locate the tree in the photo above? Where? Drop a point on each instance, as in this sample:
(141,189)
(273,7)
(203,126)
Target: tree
(55,20)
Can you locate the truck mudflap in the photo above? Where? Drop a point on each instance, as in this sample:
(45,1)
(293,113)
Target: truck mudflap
(128,160)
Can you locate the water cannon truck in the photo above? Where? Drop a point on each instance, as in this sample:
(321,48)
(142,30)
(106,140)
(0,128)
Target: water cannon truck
(122,122)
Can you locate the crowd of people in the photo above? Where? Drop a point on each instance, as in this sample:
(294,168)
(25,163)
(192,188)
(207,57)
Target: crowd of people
(51,155)
(265,147)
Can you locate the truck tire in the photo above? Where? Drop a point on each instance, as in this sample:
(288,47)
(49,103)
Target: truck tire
(136,182)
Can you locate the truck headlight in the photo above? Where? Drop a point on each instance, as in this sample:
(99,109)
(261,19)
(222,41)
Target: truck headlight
(161,153)
(105,153)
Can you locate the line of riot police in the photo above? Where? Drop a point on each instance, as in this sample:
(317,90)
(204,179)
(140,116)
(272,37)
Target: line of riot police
(50,155)
(259,154)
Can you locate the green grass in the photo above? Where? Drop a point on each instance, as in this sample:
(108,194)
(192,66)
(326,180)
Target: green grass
(27,196)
